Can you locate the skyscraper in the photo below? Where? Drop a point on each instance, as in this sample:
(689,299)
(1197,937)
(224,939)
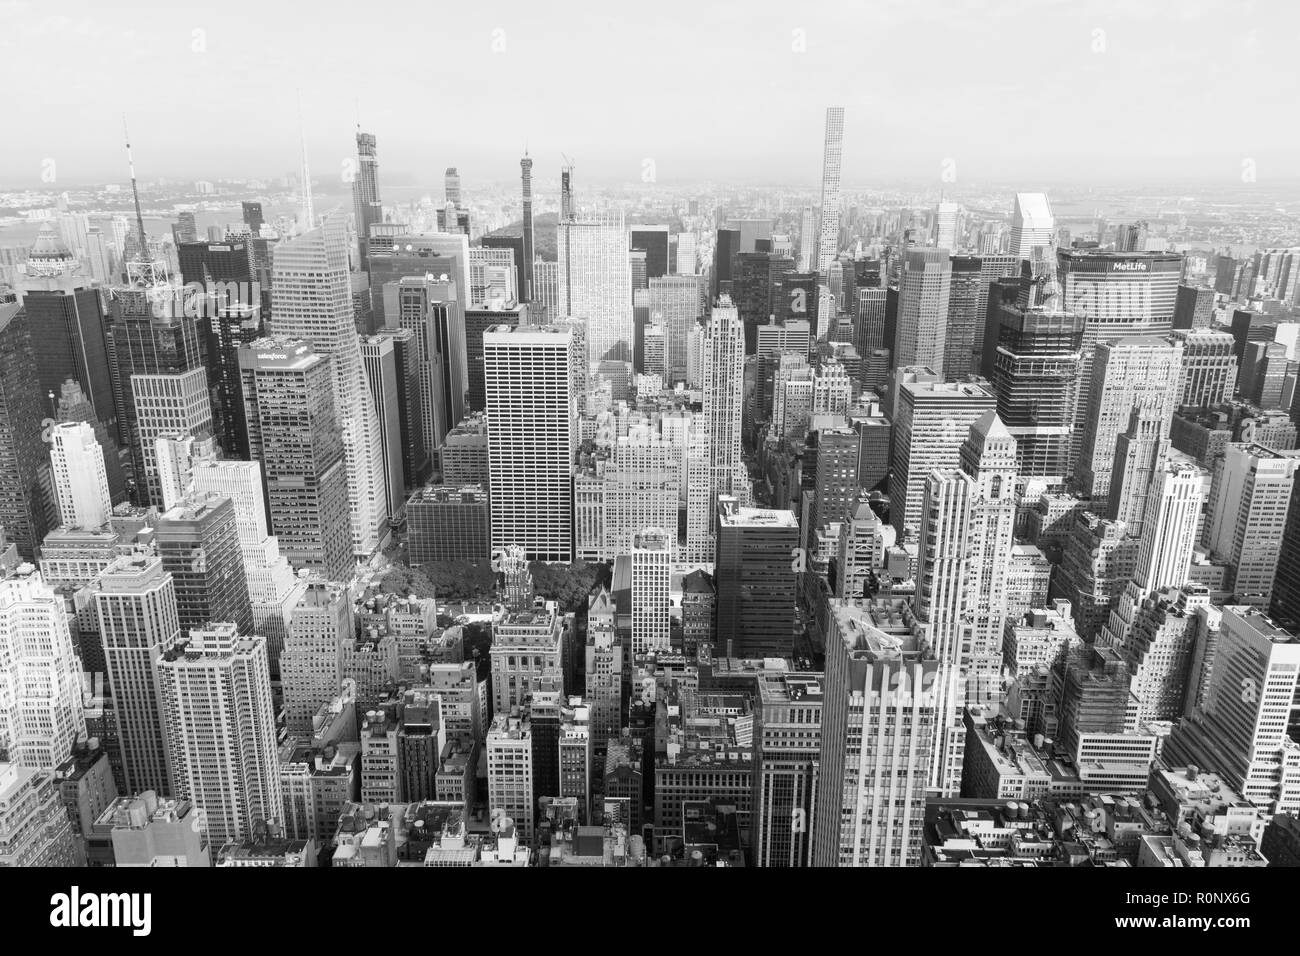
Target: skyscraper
(1209,367)
(23,456)
(1121,295)
(724,392)
(787,775)
(365,196)
(430,308)
(293,431)
(232,309)
(80,479)
(830,204)
(164,385)
(1036,368)
(1127,374)
(1243,728)
(532,439)
(526,278)
(41,714)
(923,292)
(311,300)
(596,283)
(877,728)
(968,299)
(69,314)
(1173,515)
(675,301)
(755,568)
(215,696)
(931,422)
(1032,225)
(654,240)
(135,601)
(311,664)
(1247,513)
(273,588)
(652,558)
(198,542)
(380,358)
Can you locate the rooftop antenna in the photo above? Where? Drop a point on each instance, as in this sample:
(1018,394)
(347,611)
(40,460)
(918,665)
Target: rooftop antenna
(135,192)
(308,210)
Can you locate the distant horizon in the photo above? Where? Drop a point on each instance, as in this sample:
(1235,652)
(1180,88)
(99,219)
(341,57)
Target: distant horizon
(1030,91)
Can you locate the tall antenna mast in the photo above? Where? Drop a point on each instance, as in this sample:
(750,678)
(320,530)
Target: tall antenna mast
(135,192)
(308,210)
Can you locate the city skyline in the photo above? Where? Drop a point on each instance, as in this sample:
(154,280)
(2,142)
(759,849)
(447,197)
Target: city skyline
(654,525)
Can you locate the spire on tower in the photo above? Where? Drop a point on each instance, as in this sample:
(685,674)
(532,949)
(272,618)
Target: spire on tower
(135,193)
(308,216)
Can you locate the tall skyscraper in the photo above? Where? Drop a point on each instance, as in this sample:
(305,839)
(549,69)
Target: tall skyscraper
(23,456)
(135,602)
(532,438)
(675,301)
(1173,515)
(41,714)
(877,728)
(293,431)
(74,406)
(526,278)
(596,283)
(654,240)
(215,695)
(311,300)
(1247,513)
(989,456)
(365,196)
(931,422)
(652,558)
(164,385)
(380,358)
(968,299)
(1285,603)
(1032,225)
(1243,730)
(724,396)
(923,292)
(755,568)
(231,305)
(80,479)
(947,222)
(430,308)
(830,204)
(1209,367)
(273,588)
(1127,374)
(787,775)
(1036,368)
(1121,295)
(1194,307)
(69,314)
(198,542)
(311,664)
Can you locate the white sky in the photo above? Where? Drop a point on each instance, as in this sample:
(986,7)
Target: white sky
(1040,90)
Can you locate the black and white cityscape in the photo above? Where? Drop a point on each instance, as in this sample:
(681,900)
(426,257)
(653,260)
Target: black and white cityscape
(666,453)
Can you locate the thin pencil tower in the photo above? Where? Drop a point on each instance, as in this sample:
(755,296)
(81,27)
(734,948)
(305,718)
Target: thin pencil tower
(526,166)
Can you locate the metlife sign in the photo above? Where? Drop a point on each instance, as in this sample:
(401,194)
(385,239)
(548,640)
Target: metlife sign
(1130,265)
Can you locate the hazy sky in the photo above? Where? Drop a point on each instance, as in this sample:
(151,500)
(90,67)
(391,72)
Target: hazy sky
(1043,90)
